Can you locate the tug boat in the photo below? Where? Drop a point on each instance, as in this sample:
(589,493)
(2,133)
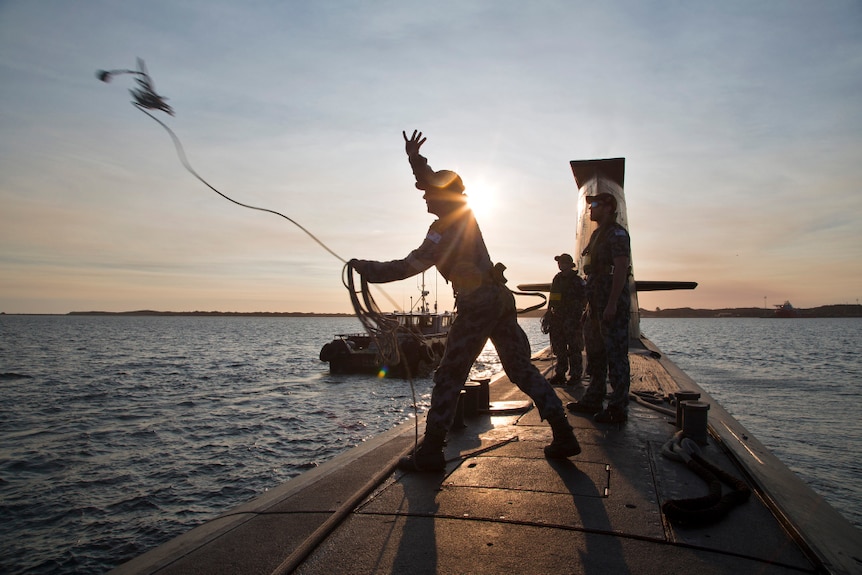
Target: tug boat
(421,340)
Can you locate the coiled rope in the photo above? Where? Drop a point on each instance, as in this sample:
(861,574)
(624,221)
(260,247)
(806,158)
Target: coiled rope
(383,329)
(713,506)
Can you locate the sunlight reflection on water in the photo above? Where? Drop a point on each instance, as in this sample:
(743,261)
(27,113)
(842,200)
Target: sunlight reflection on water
(119,433)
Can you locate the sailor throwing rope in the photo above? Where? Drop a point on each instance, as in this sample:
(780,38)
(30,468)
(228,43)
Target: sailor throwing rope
(454,244)
(486,309)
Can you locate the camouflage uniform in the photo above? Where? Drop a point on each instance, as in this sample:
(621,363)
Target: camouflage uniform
(607,344)
(567,306)
(486,309)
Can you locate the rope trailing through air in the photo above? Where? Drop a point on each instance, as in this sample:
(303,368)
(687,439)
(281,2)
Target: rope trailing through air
(146,98)
(382,329)
(385,331)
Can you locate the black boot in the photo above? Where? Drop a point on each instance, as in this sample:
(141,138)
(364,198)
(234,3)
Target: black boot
(428,457)
(564,444)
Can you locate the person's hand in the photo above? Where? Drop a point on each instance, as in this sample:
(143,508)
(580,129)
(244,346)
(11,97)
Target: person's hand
(412,145)
(546,321)
(357,265)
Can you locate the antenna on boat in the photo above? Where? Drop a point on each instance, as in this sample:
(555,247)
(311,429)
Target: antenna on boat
(436,287)
(423,294)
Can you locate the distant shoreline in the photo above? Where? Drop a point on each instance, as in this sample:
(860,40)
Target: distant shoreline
(214,313)
(191,313)
(826,311)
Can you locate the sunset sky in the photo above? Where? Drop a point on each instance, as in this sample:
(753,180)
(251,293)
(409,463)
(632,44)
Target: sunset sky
(740,122)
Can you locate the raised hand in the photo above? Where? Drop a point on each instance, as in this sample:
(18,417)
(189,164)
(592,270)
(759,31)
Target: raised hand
(412,145)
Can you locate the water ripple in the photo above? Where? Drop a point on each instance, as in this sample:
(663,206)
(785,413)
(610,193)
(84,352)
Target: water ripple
(119,433)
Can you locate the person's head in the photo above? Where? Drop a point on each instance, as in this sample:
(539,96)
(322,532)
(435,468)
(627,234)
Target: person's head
(603,207)
(565,262)
(444,192)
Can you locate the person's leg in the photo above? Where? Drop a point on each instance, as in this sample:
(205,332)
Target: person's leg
(597,359)
(558,346)
(467,337)
(574,346)
(465,341)
(513,348)
(619,370)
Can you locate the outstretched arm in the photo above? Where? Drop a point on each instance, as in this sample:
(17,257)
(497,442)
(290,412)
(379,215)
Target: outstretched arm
(421,170)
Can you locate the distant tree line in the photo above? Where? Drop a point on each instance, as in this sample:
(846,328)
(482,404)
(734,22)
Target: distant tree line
(843,310)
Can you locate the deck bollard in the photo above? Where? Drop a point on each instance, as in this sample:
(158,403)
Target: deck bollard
(694,418)
(681,396)
(471,399)
(483,398)
(458,422)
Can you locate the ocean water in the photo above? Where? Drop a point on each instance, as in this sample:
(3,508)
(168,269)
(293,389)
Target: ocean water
(119,433)
(793,383)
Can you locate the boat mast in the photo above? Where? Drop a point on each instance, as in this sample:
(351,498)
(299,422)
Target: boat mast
(423,303)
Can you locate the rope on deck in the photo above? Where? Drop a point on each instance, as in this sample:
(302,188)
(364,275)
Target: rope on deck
(712,507)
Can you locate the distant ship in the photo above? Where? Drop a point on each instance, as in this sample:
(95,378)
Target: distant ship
(786,310)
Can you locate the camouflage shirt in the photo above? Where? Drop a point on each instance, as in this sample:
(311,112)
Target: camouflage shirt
(567,294)
(454,244)
(606,243)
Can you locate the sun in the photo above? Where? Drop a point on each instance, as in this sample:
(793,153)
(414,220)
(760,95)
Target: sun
(481,197)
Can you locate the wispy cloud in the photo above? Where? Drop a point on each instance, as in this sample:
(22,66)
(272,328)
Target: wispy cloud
(740,124)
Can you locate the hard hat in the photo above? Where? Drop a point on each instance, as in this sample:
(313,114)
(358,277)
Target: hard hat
(442,181)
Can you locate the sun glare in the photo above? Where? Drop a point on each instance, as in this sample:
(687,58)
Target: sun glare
(481,195)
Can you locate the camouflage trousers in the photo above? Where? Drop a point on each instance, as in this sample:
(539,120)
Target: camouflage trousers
(607,358)
(567,343)
(489,312)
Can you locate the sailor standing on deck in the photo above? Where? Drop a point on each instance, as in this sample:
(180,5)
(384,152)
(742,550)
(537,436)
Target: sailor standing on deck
(609,307)
(565,308)
(486,309)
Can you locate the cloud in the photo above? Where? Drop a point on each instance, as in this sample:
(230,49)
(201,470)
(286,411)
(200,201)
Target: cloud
(740,125)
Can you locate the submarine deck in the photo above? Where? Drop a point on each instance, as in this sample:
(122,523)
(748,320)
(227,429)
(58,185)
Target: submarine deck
(501,507)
